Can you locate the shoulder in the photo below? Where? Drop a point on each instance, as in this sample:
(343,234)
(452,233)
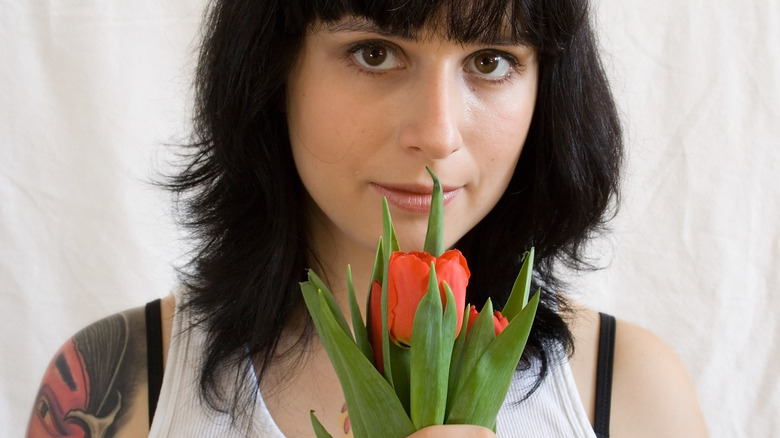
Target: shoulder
(652,393)
(96,382)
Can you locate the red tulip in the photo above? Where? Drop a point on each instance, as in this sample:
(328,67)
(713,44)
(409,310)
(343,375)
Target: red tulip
(473,314)
(407,284)
(499,321)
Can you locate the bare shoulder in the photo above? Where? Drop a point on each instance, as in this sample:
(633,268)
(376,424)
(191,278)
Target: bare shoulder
(652,394)
(96,384)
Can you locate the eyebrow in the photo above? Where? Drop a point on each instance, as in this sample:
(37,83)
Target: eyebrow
(64,370)
(357,24)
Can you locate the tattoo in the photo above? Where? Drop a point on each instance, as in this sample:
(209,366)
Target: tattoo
(346,428)
(90,385)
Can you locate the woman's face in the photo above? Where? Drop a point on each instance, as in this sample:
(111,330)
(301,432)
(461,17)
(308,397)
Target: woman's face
(367,111)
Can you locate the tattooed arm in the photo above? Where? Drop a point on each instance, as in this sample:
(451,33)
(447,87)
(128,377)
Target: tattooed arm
(96,384)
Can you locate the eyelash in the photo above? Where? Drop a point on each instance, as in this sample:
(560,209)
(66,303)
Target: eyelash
(515,67)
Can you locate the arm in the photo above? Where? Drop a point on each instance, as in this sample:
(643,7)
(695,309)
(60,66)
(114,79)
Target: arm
(96,383)
(652,393)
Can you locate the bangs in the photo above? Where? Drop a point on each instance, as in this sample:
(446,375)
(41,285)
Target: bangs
(464,21)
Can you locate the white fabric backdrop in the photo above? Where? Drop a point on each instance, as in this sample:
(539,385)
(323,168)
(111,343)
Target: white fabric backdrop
(92,91)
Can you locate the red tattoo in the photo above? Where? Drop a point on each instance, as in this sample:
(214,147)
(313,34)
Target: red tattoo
(82,389)
(344,419)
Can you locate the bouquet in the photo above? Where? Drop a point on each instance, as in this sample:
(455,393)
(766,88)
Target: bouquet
(424,357)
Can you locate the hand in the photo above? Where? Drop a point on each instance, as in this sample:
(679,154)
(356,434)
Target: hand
(454,430)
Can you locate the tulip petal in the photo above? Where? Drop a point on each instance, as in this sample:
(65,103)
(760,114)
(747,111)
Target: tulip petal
(374,409)
(319,429)
(484,389)
(434,235)
(406,286)
(358,328)
(452,268)
(500,322)
(518,298)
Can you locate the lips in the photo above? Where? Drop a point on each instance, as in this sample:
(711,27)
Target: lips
(413,198)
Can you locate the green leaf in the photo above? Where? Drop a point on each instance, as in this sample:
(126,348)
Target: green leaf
(434,236)
(388,231)
(430,357)
(450,327)
(518,298)
(311,297)
(389,243)
(376,275)
(485,387)
(379,264)
(482,333)
(319,430)
(457,357)
(358,328)
(374,409)
(317,282)
(400,357)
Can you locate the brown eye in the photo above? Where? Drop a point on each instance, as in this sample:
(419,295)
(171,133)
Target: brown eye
(374,56)
(490,64)
(486,63)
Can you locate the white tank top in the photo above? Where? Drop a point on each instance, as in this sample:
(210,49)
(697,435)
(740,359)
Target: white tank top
(554,410)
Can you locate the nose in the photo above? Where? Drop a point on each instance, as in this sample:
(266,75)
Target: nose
(434,113)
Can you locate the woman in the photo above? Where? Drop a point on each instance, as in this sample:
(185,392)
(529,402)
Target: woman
(308,113)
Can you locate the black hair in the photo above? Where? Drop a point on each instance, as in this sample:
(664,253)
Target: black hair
(242,199)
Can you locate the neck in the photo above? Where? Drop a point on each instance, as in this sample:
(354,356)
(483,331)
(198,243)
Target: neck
(331,254)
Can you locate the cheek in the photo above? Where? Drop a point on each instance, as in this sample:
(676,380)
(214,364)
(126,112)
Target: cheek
(500,127)
(501,135)
(517,113)
(314,123)
(328,125)
(501,117)
(512,113)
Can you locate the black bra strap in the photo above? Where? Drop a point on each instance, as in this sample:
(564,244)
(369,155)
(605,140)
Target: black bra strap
(154,354)
(604,375)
